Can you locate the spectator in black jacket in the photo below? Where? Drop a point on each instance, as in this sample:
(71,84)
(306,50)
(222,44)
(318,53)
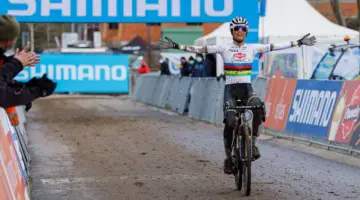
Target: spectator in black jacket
(13,93)
(186,68)
(164,70)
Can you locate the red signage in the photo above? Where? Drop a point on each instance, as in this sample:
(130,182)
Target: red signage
(278,99)
(346,113)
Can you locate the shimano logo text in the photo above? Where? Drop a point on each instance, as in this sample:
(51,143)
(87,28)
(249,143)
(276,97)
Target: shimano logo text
(313,107)
(77,72)
(117,8)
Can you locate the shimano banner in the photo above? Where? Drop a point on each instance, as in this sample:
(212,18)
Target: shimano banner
(312,107)
(156,11)
(95,73)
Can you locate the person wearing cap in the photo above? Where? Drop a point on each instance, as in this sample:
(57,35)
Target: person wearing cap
(13,93)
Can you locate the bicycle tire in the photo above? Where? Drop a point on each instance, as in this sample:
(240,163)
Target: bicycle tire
(238,170)
(247,162)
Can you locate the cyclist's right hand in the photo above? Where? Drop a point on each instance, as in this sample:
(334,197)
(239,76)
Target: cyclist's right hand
(168,44)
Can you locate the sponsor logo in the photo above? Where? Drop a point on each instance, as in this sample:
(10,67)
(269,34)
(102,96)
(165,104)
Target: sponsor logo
(352,113)
(77,72)
(313,107)
(239,55)
(280,111)
(117,8)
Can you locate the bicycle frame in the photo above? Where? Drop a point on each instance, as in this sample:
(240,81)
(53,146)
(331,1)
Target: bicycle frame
(237,139)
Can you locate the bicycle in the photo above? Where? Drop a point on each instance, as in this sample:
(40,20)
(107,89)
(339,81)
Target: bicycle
(242,146)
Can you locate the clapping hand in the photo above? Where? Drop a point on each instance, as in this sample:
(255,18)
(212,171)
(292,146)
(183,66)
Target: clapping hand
(27,58)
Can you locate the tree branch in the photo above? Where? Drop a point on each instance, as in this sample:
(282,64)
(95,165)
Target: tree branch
(337,12)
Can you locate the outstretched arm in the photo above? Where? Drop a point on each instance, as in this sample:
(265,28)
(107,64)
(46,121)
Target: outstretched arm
(169,44)
(274,47)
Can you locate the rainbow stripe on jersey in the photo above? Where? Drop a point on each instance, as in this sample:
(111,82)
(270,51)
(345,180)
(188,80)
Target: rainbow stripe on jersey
(237,69)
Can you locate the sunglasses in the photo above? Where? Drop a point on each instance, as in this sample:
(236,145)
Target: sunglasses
(242,28)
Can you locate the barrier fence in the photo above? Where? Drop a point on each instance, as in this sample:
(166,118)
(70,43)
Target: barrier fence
(14,157)
(324,112)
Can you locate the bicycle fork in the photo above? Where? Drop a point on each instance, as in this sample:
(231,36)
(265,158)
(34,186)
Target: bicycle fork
(246,133)
(249,135)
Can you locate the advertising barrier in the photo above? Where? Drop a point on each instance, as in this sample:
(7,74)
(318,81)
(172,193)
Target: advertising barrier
(12,183)
(347,111)
(259,85)
(278,101)
(91,73)
(311,110)
(312,107)
(355,140)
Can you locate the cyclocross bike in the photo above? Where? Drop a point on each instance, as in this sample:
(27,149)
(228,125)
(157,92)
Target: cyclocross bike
(242,146)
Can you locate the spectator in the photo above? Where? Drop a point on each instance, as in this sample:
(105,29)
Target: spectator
(199,68)
(144,69)
(186,68)
(13,93)
(191,63)
(165,67)
(210,64)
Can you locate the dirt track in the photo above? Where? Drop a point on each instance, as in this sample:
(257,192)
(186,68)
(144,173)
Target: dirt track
(112,148)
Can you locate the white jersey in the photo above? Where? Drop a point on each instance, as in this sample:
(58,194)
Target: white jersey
(238,60)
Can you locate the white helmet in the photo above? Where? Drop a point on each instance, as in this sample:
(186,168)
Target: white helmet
(238,21)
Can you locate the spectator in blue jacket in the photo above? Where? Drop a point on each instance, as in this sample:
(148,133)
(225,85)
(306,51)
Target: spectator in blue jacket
(199,68)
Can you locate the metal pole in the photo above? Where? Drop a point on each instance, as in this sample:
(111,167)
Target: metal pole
(149,44)
(48,35)
(32,42)
(72,27)
(85,32)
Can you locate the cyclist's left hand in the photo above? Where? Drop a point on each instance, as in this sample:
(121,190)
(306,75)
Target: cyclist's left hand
(307,41)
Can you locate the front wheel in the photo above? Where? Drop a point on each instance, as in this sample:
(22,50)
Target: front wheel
(238,171)
(247,162)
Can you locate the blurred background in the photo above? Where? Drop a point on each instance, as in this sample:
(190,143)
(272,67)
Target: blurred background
(138,39)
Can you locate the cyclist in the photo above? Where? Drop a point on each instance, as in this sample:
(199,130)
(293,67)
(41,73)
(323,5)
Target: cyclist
(238,58)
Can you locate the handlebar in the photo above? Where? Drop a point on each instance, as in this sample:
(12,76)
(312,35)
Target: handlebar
(244,108)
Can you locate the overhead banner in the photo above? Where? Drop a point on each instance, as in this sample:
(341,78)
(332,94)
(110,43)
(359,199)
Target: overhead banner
(88,73)
(312,107)
(151,11)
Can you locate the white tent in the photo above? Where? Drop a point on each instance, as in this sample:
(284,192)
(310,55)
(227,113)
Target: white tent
(220,34)
(287,20)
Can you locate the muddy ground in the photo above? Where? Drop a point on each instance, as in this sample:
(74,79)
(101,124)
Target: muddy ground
(87,147)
